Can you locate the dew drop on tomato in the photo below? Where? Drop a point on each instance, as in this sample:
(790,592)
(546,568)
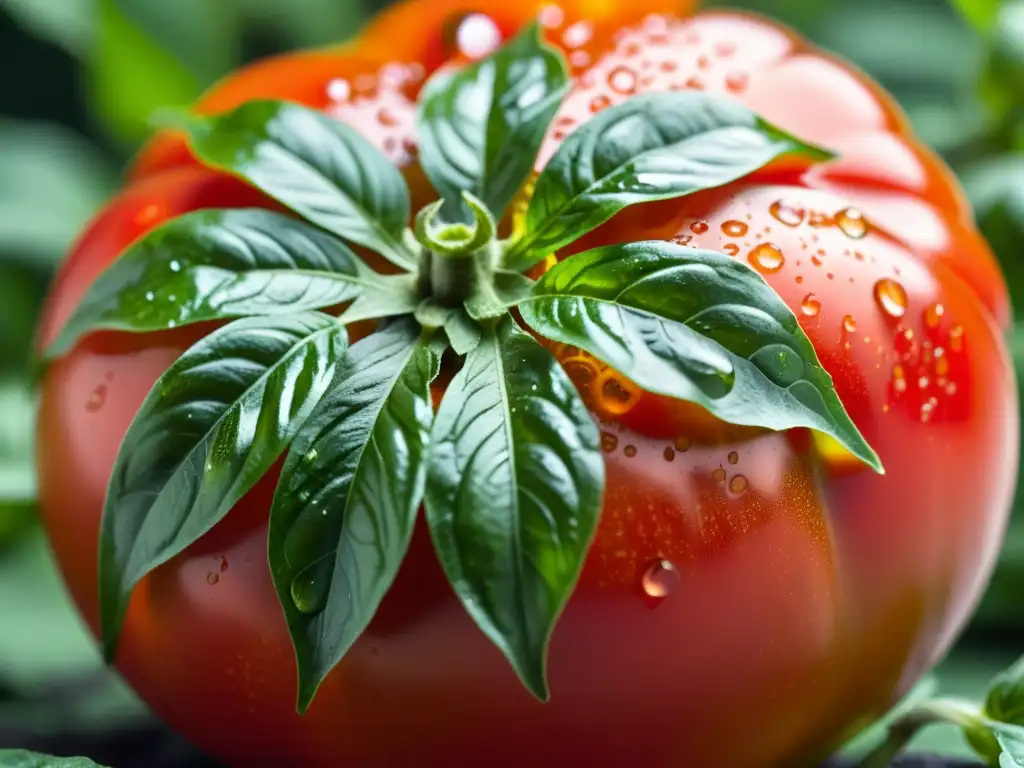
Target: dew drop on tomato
(767,257)
(852,223)
(734,228)
(97,398)
(738,484)
(810,305)
(787,214)
(660,579)
(849,324)
(891,297)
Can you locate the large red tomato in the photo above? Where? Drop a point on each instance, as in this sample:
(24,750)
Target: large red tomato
(752,597)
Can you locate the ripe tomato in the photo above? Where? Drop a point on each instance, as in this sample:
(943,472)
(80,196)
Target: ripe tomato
(752,597)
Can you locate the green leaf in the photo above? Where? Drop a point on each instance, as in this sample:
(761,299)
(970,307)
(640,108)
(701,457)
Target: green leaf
(69,24)
(346,503)
(981,14)
(480,129)
(214,423)
(1005,699)
(319,167)
(651,147)
(17,472)
(496,294)
(218,264)
(131,76)
(695,325)
(390,295)
(514,488)
(463,333)
(20,758)
(62,179)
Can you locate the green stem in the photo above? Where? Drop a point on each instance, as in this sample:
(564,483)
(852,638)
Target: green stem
(906,726)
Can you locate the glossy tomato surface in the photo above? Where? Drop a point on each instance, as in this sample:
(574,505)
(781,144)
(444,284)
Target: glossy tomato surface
(751,597)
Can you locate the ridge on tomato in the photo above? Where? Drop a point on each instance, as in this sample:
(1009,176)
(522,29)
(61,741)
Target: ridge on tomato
(326,360)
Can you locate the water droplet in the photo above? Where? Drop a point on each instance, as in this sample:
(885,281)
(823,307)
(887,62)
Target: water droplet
(599,102)
(849,324)
(682,444)
(669,454)
(223,563)
(736,81)
(551,16)
(899,381)
(578,34)
(734,228)
(309,589)
(97,398)
(810,305)
(933,315)
(304,496)
(582,372)
(616,395)
(668,66)
(738,484)
(695,84)
(630,451)
(622,80)
(733,457)
(149,296)
(212,578)
(718,475)
(311,456)
(386,117)
(891,297)
(682,239)
(660,579)
(609,442)
(175,266)
(766,257)
(339,90)
(852,222)
(703,62)
(787,214)
(699,227)
(731,249)
(579,59)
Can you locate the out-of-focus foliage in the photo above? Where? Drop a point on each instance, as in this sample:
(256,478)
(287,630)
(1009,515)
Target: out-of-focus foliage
(100,67)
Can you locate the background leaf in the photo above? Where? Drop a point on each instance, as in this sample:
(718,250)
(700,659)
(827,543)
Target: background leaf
(346,504)
(513,493)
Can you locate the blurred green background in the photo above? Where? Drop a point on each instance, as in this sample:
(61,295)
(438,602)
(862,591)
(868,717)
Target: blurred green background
(80,79)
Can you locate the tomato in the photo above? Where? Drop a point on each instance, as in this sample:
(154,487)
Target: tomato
(752,597)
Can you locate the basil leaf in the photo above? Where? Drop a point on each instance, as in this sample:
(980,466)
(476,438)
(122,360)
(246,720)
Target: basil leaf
(480,129)
(653,146)
(212,426)
(695,325)
(217,264)
(319,167)
(1005,698)
(514,489)
(346,503)
(20,758)
(391,295)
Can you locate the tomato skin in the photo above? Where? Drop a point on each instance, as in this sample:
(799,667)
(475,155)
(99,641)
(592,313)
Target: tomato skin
(800,577)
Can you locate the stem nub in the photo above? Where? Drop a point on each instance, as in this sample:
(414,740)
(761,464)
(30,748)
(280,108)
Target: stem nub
(457,257)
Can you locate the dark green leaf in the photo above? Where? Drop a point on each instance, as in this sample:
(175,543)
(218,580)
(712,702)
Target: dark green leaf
(212,426)
(514,490)
(17,474)
(651,147)
(218,264)
(319,167)
(1005,699)
(19,758)
(480,129)
(1011,741)
(696,325)
(346,504)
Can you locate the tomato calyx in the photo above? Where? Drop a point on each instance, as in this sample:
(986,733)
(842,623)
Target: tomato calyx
(509,469)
